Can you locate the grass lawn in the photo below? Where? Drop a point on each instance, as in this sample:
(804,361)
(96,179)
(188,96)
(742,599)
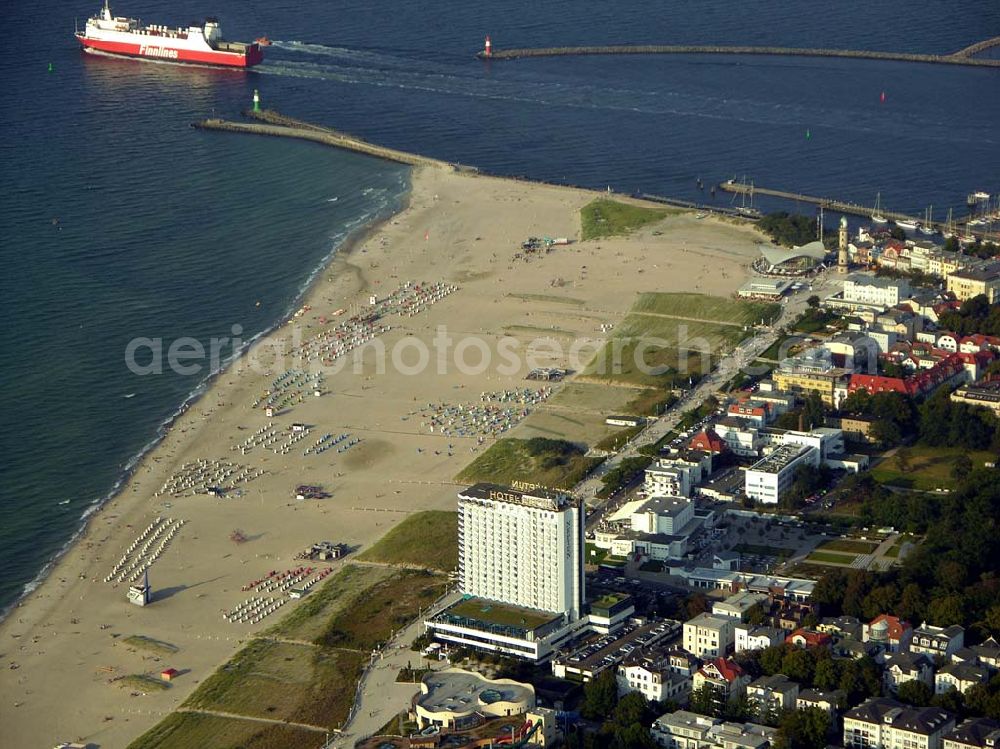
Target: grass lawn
(380,609)
(641,364)
(667,337)
(705,307)
(807,570)
(774,351)
(823,556)
(651,402)
(617,439)
(762,550)
(186,730)
(849,545)
(549,298)
(929,469)
(607,218)
(906,538)
(309,619)
(141,642)
(145,683)
(612,561)
(595,555)
(352,612)
(284,681)
(554,463)
(428,539)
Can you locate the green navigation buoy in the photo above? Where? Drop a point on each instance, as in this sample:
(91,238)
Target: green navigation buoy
(51,67)
(256,100)
(808,135)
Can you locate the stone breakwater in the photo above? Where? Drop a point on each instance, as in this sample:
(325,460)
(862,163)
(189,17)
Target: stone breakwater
(962,57)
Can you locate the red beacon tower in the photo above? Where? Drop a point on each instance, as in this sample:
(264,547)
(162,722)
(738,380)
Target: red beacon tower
(488,47)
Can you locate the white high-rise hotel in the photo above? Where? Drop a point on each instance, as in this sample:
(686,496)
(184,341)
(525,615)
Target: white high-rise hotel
(524,548)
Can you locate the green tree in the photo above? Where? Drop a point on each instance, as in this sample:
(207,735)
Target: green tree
(600,696)
(826,675)
(961,467)
(903,459)
(803,729)
(798,665)
(772,658)
(703,700)
(813,301)
(914,692)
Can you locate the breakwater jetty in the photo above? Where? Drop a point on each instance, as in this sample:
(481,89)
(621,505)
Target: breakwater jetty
(962,57)
(269,122)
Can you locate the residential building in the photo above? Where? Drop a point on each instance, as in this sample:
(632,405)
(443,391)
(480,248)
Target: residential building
(767,479)
(726,678)
(903,667)
(986,654)
(687,730)
(737,605)
(975,733)
(829,702)
(708,636)
(868,290)
(942,641)
(882,723)
(741,440)
(889,631)
(653,679)
(960,676)
(748,637)
(770,695)
(984,394)
(803,637)
(813,370)
(971,282)
(841,626)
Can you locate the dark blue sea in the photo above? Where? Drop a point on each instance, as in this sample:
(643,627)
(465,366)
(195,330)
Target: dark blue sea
(118,220)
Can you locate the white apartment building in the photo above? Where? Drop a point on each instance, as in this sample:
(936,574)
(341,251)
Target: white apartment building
(769,695)
(769,477)
(687,730)
(677,476)
(653,680)
(886,724)
(975,733)
(748,637)
(737,605)
(960,677)
(524,548)
(869,290)
(941,641)
(708,636)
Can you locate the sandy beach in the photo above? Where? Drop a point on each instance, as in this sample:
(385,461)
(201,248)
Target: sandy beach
(63,648)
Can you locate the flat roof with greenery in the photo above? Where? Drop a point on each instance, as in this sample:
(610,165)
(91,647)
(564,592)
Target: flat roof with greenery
(500,614)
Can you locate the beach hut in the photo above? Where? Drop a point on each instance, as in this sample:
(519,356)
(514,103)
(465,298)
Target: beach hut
(168,674)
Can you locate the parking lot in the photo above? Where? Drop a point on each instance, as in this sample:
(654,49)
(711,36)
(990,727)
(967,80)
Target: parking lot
(763,542)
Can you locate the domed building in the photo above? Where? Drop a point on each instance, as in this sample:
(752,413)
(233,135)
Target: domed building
(797,261)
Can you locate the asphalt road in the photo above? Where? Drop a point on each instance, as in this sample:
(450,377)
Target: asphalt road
(740,358)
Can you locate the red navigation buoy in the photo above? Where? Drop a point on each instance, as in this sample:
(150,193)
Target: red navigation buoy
(488,47)
(882,97)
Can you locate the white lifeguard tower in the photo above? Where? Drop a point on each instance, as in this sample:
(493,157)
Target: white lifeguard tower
(139,595)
